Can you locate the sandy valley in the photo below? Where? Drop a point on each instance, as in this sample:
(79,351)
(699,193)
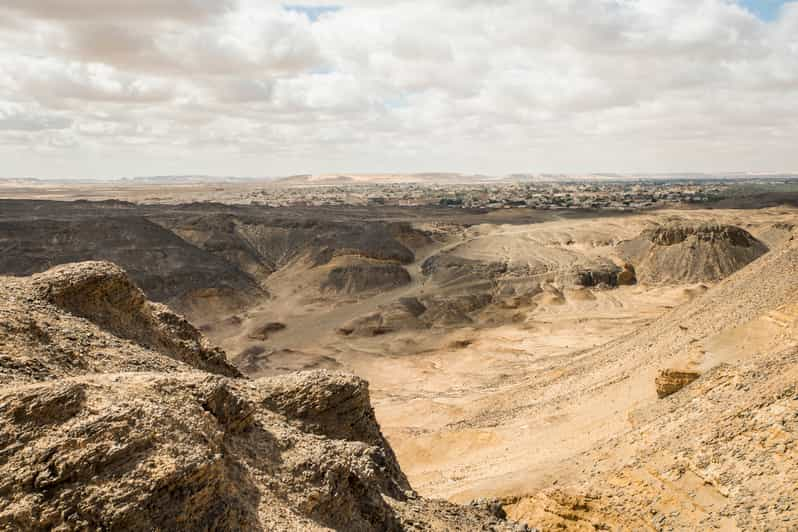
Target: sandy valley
(511,354)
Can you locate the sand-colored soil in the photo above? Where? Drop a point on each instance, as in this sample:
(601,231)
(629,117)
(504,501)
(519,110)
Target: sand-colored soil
(514,401)
(506,359)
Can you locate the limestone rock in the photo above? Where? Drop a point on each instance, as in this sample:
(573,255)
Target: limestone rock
(233,412)
(329,403)
(670,381)
(691,253)
(627,276)
(103,293)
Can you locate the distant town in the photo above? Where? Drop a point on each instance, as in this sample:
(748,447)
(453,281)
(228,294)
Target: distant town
(450,191)
(618,196)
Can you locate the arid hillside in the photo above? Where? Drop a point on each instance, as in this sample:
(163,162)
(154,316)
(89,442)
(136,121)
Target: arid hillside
(718,453)
(691,253)
(512,355)
(115,413)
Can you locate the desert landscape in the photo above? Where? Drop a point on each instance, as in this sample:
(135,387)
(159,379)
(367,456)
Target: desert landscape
(394,266)
(561,369)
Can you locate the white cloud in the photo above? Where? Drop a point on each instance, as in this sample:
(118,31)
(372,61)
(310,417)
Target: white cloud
(15,117)
(80,10)
(98,88)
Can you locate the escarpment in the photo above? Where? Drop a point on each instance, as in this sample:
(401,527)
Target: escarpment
(117,414)
(365,276)
(690,253)
(166,267)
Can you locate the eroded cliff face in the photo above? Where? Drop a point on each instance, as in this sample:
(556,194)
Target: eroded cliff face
(115,413)
(168,268)
(689,253)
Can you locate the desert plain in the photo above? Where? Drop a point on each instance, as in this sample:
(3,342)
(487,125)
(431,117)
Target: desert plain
(512,354)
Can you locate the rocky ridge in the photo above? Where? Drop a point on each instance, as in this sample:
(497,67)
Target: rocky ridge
(690,253)
(116,414)
(168,268)
(718,452)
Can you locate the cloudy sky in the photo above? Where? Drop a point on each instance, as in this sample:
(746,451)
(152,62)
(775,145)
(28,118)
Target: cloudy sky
(100,88)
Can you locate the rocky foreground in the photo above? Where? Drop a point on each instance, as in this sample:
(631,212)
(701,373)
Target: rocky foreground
(115,413)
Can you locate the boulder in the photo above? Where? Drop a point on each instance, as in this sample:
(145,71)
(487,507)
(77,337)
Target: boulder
(627,276)
(670,381)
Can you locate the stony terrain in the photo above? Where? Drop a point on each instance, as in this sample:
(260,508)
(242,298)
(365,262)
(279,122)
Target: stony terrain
(720,451)
(511,354)
(168,268)
(719,454)
(205,258)
(115,413)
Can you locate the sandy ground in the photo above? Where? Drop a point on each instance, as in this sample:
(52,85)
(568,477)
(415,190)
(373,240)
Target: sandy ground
(154,193)
(487,410)
(523,398)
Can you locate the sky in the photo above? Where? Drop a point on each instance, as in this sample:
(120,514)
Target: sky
(98,89)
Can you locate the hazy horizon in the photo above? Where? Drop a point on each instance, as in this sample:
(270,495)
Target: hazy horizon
(93,90)
(586,176)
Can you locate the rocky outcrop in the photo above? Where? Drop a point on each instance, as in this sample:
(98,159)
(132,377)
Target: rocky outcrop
(596,273)
(448,270)
(404,314)
(149,451)
(166,267)
(335,405)
(691,253)
(63,324)
(102,293)
(332,404)
(670,381)
(454,310)
(110,419)
(263,332)
(672,234)
(627,276)
(590,278)
(365,276)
